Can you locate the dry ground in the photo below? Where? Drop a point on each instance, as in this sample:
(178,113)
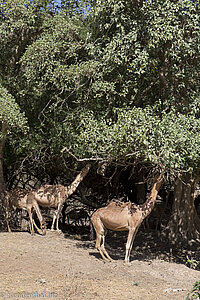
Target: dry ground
(68,267)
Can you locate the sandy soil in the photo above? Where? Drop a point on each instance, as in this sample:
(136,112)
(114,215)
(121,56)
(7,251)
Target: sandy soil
(68,267)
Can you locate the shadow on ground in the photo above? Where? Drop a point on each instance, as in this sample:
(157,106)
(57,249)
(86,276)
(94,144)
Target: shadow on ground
(147,245)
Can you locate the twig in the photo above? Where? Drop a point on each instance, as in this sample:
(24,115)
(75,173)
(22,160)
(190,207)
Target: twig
(81,159)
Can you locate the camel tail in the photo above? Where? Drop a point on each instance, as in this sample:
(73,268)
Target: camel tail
(92,231)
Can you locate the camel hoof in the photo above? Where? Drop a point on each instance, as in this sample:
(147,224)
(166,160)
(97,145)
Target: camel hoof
(110,260)
(127,263)
(42,232)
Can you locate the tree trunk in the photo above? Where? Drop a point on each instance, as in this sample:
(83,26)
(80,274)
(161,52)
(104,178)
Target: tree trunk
(2,183)
(184,224)
(2,143)
(2,190)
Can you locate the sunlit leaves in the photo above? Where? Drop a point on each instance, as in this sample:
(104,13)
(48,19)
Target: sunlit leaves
(147,48)
(10,112)
(58,60)
(171,141)
(120,83)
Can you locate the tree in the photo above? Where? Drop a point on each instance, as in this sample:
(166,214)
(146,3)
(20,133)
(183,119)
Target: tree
(57,68)
(148,58)
(184,223)
(118,85)
(76,7)
(20,24)
(10,117)
(147,49)
(109,83)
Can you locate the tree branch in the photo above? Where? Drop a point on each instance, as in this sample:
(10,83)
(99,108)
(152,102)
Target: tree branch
(3,138)
(81,159)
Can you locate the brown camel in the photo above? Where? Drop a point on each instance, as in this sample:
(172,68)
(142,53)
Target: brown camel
(20,199)
(120,216)
(56,195)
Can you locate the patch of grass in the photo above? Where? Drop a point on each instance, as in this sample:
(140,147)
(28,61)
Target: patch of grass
(192,263)
(194,294)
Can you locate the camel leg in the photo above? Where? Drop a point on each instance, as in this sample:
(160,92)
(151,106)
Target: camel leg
(56,218)
(52,225)
(129,244)
(7,218)
(31,220)
(53,222)
(40,231)
(6,205)
(98,246)
(59,210)
(104,250)
(8,226)
(100,238)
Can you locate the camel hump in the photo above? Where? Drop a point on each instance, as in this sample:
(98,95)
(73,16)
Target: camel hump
(52,189)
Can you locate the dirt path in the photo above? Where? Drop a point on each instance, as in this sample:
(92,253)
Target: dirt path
(58,267)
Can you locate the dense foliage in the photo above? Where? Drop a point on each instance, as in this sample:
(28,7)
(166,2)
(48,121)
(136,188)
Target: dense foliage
(10,112)
(140,135)
(112,80)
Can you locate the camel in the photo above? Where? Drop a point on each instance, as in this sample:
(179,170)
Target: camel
(20,198)
(56,195)
(121,216)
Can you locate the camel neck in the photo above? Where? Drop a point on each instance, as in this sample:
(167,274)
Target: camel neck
(73,186)
(148,206)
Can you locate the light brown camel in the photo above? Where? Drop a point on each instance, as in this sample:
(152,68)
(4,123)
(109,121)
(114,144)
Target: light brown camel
(120,216)
(20,199)
(56,195)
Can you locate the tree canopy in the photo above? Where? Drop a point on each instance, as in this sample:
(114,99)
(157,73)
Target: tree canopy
(115,81)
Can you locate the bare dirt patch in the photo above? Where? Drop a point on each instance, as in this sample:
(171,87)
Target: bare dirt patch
(65,267)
